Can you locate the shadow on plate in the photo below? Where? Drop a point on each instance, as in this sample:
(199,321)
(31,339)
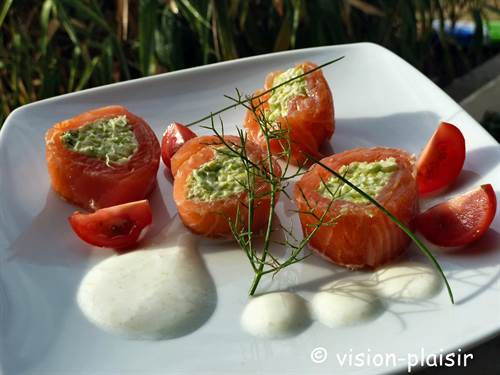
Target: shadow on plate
(484,159)
(365,131)
(466,266)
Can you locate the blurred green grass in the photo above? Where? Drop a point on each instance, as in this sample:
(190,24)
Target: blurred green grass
(52,47)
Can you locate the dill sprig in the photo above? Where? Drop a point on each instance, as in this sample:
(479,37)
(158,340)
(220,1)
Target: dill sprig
(262,262)
(265,262)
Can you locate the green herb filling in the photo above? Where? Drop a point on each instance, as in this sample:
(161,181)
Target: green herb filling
(222,177)
(369,177)
(280,97)
(111,140)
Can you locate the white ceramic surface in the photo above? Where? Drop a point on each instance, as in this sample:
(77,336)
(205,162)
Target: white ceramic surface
(379,100)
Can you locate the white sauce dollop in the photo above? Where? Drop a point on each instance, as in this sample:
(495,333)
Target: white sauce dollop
(345,302)
(275,315)
(158,292)
(407,281)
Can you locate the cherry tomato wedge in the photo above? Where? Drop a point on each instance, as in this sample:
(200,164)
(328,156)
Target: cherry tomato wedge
(441,160)
(118,227)
(173,138)
(461,220)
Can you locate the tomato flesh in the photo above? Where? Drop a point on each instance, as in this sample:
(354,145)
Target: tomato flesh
(173,138)
(441,160)
(461,220)
(118,227)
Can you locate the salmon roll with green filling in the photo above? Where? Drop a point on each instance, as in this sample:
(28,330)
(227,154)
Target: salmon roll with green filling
(102,158)
(303,107)
(211,189)
(354,232)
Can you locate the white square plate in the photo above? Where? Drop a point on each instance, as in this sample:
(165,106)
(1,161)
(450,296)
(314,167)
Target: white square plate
(379,100)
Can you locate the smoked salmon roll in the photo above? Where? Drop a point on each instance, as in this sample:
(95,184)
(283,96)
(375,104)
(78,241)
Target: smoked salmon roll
(354,232)
(210,185)
(102,158)
(304,107)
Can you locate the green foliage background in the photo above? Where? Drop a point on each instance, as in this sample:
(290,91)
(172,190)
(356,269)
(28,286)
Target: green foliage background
(52,47)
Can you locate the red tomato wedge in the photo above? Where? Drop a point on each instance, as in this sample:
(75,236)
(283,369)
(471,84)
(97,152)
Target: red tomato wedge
(118,227)
(441,160)
(461,220)
(173,138)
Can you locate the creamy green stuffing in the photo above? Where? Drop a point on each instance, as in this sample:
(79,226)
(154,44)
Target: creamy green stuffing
(110,139)
(223,176)
(369,177)
(280,97)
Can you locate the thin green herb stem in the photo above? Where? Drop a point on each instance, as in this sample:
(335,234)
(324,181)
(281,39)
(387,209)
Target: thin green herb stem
(240,102)
(403,227)
(250,209)
(267,238)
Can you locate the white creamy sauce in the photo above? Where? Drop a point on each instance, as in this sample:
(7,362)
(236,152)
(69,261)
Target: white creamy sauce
(345,302)
(349,301)
(275,315)
(166,291)
(407,281)
(158,292)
